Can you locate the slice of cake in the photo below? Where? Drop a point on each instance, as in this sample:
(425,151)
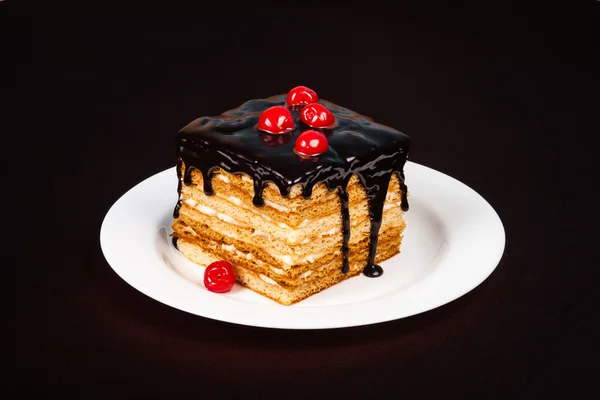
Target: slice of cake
(295,192)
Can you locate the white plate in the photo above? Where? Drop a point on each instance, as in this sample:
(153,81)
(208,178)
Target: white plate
(453,241)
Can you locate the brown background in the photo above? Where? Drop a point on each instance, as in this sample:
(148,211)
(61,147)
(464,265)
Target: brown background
(503,99)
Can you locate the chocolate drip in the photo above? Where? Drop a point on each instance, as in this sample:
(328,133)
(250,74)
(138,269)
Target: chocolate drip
(345,227)
(178,205)
(376,195)
(403,191)
(357,145)
(258,190)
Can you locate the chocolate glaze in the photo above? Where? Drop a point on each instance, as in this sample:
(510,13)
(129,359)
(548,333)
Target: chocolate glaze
(357,145)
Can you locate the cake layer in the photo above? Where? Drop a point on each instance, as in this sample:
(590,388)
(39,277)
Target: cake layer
(291,211)
(294,244)
(281,291)
(259,260)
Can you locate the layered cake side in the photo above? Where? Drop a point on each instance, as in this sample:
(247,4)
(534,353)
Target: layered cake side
(297,197)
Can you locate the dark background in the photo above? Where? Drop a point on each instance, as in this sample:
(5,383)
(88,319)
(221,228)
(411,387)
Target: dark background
(501,97)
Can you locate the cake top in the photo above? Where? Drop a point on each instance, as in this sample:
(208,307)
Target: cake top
(353,142)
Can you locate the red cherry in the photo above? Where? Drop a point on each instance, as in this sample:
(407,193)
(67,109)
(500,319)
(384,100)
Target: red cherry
(219,277)
(276,119)
(311,143)
(301,95)
(317,116)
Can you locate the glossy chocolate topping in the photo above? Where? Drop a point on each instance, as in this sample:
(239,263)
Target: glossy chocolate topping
(357,145)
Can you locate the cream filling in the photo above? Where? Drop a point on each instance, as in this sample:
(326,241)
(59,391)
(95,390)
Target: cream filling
(261,233)
(230,248)
(222,177)
(276,206)
(330,232)
(278,271)
(212,213)
(206,210)
(238,202)
(268,280)
(235,200)
(289,260)
(307,273)
(387,206)
(304,223)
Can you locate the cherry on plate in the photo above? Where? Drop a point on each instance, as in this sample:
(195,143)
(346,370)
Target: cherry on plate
(219,277)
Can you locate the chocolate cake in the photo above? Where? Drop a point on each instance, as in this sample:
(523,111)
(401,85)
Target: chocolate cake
(296,192)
